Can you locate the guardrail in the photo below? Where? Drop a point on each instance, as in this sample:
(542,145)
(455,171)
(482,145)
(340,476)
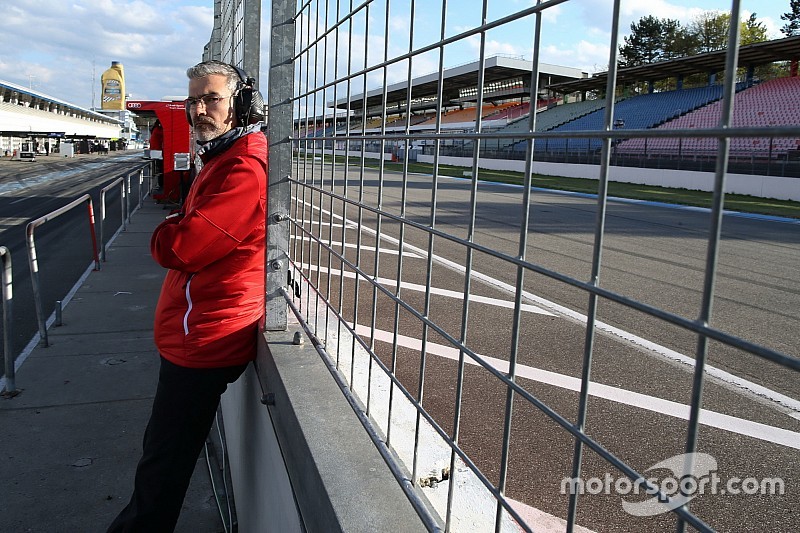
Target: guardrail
(124,183)
(10,388)
(33,263)
(124,186)
(149,167)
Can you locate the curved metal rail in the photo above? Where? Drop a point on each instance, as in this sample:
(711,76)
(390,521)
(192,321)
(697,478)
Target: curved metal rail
(124,208)
(33,263)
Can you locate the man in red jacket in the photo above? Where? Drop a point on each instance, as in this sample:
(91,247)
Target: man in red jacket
(211,305)
(157,143)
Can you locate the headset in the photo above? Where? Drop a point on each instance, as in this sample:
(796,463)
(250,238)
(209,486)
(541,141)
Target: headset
(248,104)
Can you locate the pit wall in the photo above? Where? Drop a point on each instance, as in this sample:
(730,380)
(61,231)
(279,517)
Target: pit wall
(300,460)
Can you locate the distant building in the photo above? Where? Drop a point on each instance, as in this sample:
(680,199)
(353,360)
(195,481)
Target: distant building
(30,117)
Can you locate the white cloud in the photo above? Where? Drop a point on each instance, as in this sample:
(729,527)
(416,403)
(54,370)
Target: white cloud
(588,56)
(494,47)
(552,15)
(773,25)
(59,47)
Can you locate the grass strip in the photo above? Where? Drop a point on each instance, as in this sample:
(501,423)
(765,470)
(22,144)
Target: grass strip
(670,195)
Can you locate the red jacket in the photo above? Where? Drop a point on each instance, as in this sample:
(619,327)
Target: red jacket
(212,299)
(157,137)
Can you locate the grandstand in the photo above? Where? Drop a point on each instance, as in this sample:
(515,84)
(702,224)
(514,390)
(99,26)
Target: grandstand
(573,103)
(771,103)
(400,121)
(638,112)
(459,118)
(547,118)
(507,113)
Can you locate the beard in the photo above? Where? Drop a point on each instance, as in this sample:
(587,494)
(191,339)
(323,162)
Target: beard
(207,129)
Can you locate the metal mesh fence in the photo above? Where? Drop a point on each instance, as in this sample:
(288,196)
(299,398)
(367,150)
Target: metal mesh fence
(467,318)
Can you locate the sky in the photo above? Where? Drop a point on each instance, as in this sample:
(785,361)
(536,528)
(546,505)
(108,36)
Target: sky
(61,47)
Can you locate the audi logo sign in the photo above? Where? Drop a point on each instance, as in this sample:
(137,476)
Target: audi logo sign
(134,105)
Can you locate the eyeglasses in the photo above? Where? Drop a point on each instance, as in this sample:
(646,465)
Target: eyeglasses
(209,100)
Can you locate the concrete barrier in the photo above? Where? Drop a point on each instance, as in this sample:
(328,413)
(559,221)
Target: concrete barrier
(293,437)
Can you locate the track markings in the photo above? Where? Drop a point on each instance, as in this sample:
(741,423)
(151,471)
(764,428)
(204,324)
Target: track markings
(714,419)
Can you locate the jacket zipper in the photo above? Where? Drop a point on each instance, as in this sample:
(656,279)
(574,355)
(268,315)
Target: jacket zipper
(188,306)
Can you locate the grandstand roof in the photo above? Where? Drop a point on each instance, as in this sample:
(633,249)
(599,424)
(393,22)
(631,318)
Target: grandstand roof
(497,68)
(749,55)
(7,86)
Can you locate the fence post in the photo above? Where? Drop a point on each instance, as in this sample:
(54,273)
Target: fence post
(90,207)
(281,88)
(151,169)
(103,224)
(11,387)
(142,192)
(126,202)
(37,297)
(139,175)
(124,211)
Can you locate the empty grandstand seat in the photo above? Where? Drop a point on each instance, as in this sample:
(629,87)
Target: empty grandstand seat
(771,103)
(638,112)
(546,120)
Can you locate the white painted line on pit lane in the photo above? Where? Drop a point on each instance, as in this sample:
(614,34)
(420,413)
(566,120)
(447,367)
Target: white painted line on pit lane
(733,424)
(34,342)
(13,221)
(663,351)
(392,283)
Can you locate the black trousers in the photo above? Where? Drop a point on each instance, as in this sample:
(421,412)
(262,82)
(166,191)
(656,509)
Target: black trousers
(184,408)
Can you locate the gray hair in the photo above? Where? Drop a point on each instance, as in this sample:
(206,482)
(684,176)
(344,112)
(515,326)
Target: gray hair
(206,68)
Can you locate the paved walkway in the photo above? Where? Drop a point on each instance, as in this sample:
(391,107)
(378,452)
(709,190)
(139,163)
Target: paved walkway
(70,441)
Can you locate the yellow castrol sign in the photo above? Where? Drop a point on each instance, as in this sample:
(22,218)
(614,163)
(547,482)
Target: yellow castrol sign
(113,87)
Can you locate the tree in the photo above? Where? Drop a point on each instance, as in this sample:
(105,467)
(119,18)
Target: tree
(647,42)
(653,39)
(643,45)
(710,30)
(753,31)
(792,19)
(678,42)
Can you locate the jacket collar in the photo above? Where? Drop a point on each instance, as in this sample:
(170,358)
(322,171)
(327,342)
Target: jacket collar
(216,146)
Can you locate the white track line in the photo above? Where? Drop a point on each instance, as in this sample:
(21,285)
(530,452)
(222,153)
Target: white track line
(733,424)
(722,375)
(328,225)
(338,244)
(392,283)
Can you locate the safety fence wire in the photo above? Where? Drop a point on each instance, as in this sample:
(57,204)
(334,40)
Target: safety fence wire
(403,327)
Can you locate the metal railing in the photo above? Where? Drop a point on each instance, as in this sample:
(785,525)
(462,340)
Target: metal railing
(124,188)
(32,258)
(124,184)
(8,298)
(144,188)
(332,219)
(144,191)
